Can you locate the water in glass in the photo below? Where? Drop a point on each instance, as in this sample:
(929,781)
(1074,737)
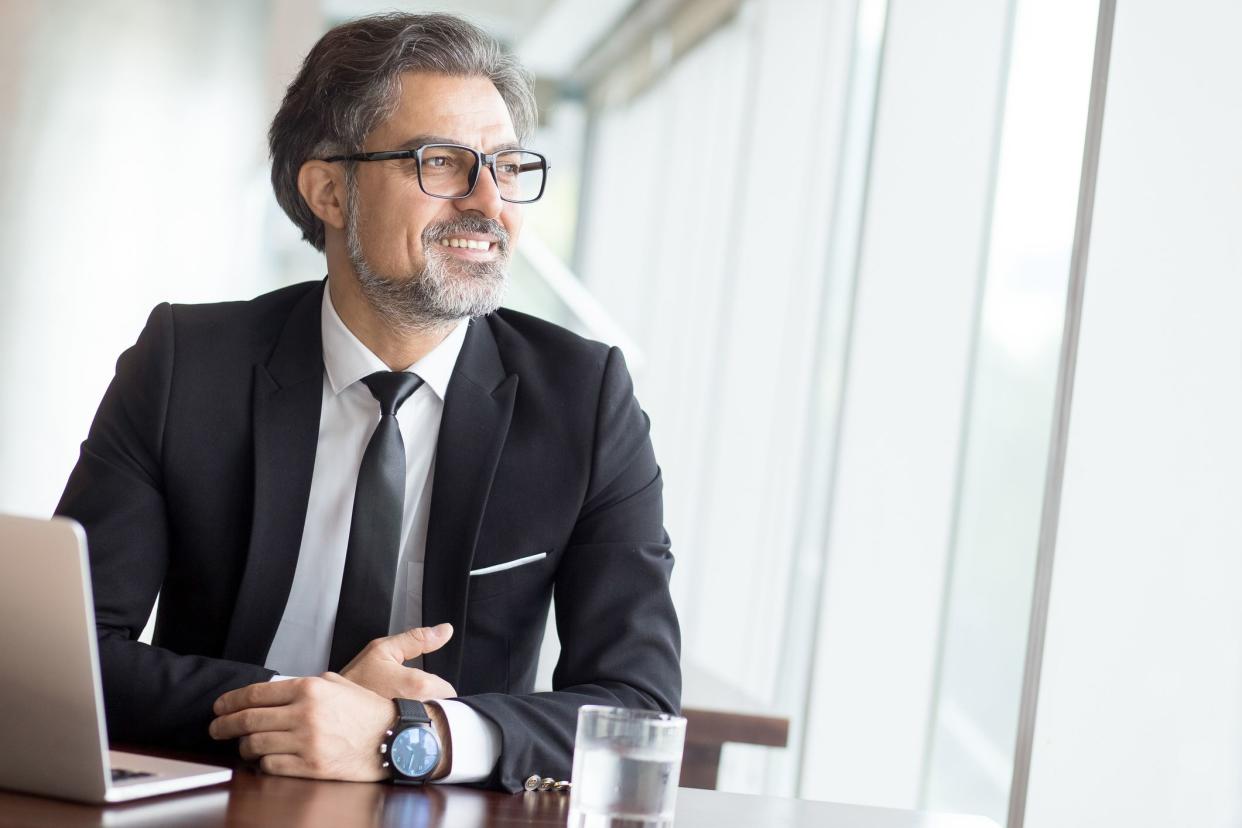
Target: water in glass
(625,770)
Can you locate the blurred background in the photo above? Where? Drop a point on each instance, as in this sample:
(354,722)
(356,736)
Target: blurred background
(833,238)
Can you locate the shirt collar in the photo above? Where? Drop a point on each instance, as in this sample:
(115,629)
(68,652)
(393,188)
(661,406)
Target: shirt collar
(347,360)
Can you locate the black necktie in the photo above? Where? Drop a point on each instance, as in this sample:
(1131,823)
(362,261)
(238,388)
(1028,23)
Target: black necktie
(375,528)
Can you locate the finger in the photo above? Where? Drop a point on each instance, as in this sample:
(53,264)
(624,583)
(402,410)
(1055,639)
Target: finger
(253,720)
(284,764)
(263,694)
(414,642)
(256,745)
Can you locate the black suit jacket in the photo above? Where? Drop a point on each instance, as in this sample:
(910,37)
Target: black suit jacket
(193,483)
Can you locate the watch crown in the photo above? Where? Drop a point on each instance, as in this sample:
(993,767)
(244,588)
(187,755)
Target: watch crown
(384,765)
(384,748)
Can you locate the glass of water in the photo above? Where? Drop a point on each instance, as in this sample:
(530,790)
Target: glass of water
(626,767)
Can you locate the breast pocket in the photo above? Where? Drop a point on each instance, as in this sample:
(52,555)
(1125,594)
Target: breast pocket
(521,572)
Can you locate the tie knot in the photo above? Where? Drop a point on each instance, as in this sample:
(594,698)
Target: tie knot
(392,388)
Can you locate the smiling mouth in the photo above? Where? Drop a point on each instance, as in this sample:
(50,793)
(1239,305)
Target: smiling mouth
(467,244)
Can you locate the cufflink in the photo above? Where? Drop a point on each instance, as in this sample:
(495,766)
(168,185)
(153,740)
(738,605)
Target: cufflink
(535,782)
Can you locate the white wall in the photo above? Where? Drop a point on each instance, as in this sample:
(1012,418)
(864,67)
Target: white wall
(1139,720)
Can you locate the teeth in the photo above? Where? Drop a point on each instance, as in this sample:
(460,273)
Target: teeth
(469,244)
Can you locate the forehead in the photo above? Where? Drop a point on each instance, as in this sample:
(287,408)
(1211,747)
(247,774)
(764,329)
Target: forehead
(468,110)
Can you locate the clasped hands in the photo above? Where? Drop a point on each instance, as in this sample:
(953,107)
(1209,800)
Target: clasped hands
(331,726)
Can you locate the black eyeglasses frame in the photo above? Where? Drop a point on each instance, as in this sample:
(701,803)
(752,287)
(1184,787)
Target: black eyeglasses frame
(481,160)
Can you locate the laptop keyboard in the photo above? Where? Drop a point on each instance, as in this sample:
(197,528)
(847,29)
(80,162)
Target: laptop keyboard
(121,775)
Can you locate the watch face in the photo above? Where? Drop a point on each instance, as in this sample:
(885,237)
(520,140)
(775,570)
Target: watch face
(415,751)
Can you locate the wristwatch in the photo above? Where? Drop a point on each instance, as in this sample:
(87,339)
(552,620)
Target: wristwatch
(411,750)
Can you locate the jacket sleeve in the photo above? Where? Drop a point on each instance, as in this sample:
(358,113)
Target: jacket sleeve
(620,641)
(151,695)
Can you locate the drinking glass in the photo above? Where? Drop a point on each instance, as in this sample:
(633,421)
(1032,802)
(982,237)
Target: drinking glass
(626,767)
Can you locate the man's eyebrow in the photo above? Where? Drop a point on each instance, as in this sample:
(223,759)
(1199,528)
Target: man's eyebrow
(419,140)
(422,140)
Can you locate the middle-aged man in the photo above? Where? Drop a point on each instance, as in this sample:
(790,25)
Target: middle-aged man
(383,457)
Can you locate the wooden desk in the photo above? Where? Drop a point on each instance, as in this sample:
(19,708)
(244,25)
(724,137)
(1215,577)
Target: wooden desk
(255,800)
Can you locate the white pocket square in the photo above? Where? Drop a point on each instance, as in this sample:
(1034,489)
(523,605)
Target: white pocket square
(501,567)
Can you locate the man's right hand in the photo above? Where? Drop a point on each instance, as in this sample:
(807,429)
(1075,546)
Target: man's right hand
(380,667)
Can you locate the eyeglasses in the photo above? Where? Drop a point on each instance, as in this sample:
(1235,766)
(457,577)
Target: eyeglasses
(452,171)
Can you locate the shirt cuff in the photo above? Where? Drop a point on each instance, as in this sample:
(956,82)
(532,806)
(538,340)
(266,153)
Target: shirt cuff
(476,743)
(279,677)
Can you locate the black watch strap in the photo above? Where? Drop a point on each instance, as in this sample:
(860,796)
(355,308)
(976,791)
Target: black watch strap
(410,712)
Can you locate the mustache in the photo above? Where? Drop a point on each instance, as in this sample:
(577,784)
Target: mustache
(435,233)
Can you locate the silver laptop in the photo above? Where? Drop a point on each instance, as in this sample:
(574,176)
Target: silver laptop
(53,739)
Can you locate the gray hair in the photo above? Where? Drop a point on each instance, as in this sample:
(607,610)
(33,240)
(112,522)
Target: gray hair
(351,82)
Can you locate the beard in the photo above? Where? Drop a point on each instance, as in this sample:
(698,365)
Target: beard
(446,288)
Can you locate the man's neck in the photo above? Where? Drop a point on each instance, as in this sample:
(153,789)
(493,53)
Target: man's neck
(399,349)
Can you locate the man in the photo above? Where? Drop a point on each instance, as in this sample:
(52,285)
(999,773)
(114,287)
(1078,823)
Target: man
(386,458)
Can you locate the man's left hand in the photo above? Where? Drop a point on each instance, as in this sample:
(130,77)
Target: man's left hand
(380,667)
(324,727)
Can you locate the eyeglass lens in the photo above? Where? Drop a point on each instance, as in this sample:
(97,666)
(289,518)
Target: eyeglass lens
(449,172)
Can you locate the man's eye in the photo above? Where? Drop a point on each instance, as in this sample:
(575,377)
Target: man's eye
(508,170)
(437,162)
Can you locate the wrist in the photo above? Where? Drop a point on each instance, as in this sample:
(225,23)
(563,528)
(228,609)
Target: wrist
(417,737)
(388,726)
(440,722)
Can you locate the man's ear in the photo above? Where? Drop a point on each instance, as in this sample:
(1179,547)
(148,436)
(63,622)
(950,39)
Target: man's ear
(322,184)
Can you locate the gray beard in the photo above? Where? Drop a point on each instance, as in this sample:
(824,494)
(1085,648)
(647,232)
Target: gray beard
(445,289)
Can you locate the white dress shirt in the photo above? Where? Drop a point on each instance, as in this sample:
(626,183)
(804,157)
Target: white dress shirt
(348,416)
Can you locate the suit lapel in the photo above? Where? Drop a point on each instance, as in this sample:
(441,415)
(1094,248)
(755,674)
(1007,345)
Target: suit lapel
(477,410)
(287,397)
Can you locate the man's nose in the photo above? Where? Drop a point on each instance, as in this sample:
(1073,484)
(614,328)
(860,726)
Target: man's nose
(486,196)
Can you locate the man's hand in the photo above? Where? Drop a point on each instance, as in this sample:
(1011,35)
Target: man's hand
(323,727)
(380,666)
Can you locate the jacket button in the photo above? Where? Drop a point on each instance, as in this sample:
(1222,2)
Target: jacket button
(546,783)
(532,782)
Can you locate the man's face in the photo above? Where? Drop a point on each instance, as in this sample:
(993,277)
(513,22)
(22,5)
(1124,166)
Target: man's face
(410,249)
